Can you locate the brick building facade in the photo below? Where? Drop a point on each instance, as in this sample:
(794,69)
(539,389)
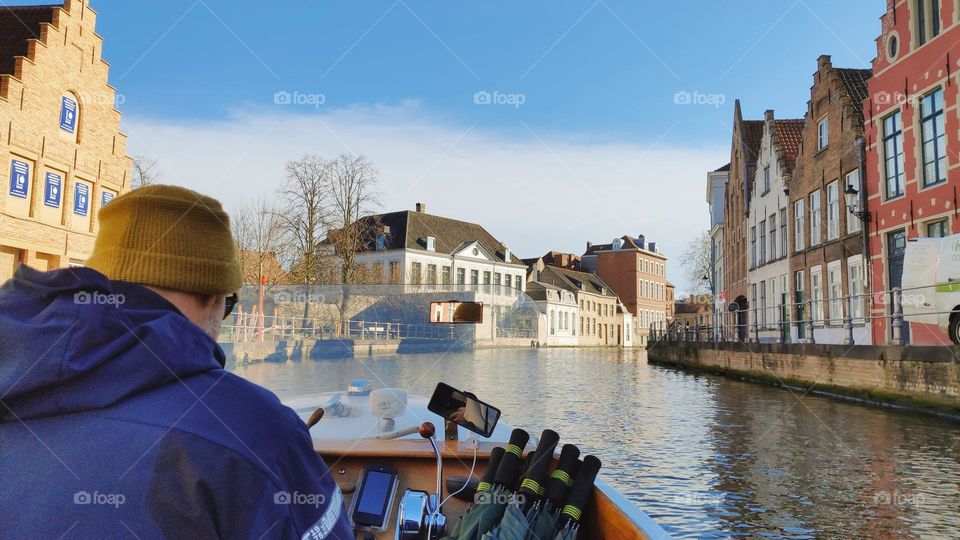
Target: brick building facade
(743,161)
(62,155)
(637,272)
(827,244)
(768,223)
(911,132)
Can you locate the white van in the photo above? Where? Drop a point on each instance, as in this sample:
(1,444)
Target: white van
(931,283)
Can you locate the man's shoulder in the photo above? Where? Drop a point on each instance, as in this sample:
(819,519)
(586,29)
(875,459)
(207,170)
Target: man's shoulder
(235,401)
(226,410)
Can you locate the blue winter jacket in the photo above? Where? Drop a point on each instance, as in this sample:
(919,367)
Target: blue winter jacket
(117,420)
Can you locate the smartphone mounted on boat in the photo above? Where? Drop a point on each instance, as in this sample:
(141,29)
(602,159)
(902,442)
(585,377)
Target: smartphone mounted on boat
(463,409)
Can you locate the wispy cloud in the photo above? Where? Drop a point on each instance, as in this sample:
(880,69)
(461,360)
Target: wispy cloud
(504,179)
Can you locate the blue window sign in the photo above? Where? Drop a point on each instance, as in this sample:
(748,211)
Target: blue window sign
(68,115)
(19,178)
(53,190)
(81,199)
(105,197)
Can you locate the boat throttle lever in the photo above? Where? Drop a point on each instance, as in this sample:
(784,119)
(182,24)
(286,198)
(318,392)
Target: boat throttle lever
(435,520)
(419,516)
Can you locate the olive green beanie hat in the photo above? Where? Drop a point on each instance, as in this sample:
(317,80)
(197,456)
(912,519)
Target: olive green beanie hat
(169,237)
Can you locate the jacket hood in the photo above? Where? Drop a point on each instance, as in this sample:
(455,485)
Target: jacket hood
(72,340)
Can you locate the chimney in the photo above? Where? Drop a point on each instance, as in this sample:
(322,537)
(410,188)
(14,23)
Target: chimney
(421,208)
(589,245)
(641,241)
(768,115)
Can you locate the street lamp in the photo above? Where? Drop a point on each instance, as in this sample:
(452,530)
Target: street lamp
(853,203)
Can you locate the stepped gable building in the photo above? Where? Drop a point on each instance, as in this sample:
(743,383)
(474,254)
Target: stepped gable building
(912,144)
(768,220)
(62,155)
(637,272)
(744,149)
(827,262)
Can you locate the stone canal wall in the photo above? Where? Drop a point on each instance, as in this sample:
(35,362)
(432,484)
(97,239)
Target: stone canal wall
(920,378)
(322,349)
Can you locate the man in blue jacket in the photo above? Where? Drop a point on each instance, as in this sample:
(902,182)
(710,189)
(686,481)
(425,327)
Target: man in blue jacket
(117,418)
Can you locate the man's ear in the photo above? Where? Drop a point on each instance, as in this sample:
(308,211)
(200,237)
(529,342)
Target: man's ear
(207,301)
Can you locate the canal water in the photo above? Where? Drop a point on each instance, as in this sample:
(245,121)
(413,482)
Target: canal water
(706,456)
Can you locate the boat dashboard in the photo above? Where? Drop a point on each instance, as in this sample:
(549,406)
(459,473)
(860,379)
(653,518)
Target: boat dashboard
(404,478)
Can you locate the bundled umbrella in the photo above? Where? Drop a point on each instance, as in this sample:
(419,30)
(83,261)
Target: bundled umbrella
(493,492)
(546,513)
(521,510)
(477,515)
(577,499)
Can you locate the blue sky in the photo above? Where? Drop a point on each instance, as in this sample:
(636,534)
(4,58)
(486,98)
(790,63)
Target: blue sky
(586,90)
(606,68)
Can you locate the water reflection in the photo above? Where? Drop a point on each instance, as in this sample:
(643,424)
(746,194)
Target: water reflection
(707,457)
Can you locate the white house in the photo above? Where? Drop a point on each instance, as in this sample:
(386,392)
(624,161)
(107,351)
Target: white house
(561,313)
(769,231)
(422,253)
(716,191)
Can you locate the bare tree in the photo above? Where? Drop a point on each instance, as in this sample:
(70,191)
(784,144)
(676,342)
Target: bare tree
(145,171)
(351,225)
(696,263)
(351,202)
(303,200)
(260,235)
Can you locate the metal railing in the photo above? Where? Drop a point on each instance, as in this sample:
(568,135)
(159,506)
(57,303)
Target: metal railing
(800,322)
(246,327)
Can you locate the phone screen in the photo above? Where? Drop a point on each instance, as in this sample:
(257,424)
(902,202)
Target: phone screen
(376,492)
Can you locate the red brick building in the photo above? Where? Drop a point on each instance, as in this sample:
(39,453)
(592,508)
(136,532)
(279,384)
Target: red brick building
(637,271)
(911,131)
(827,256)
(744,149)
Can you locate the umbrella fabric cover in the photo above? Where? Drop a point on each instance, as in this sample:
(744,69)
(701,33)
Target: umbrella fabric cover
(513,526)
(481,517)
(544,525)
(569,532)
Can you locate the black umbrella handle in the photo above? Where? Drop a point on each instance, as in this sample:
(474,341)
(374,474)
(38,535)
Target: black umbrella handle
(562,477)
(486,483)
(532,487)
(507,472)
(582,489)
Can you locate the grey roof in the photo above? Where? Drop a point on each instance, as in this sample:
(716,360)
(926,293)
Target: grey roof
(574,280)
(409,229)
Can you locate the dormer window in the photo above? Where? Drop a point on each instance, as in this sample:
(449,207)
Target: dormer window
(431,243)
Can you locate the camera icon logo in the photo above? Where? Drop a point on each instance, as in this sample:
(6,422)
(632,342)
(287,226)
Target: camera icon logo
(282,98)
(683,98)
(82,298)
(81,497)
(482,98)
(281,497)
